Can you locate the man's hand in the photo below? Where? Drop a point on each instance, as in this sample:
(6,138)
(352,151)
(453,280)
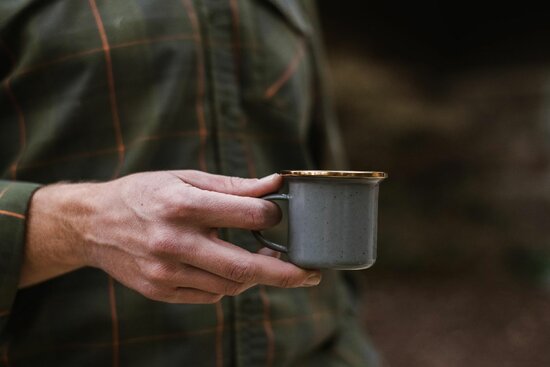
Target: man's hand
(157,233)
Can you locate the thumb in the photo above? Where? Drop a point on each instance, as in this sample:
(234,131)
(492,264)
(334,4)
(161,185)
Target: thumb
(232,185)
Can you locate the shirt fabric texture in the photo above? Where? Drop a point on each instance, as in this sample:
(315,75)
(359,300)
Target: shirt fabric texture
(93,90)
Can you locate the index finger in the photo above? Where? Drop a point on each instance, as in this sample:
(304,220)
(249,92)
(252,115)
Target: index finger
(219,210)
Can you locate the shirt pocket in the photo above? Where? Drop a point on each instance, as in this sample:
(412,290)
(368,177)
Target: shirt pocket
(279,63)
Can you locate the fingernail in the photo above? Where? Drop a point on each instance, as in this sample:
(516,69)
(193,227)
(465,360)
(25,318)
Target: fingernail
(268,252)
(269,178)
(312,280)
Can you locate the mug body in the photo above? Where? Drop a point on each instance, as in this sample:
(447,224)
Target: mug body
(332,222)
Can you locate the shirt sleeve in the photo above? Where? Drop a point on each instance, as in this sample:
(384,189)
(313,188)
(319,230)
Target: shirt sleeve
(14,203)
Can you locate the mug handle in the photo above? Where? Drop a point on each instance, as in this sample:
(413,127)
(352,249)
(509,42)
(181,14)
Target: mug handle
(258,234)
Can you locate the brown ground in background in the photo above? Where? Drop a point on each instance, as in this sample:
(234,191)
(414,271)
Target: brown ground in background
(430,323)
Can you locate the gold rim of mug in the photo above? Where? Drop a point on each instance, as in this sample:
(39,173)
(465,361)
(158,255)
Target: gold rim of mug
(335,174)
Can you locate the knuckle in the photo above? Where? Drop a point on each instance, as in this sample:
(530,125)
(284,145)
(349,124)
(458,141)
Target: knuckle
(263,215)
(191,296)
(154,292)
(253,216)
(271,213)
(242,271)
(187,208)
(234,183)
(172,204)
(211,298)
(166,203)
(233,289)
(159,273)
(287,281)
(162,243)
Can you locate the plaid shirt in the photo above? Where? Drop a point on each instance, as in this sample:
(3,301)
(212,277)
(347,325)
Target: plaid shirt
(97,89)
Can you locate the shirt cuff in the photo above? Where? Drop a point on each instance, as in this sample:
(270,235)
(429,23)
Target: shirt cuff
(14,203)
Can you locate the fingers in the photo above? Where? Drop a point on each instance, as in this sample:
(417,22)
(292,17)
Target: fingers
(180,283)
(193,296)
(236,264)
(231,185)
(171,281)
(225,202)
(182,295)
(269,252)
(177,275)
(214,209)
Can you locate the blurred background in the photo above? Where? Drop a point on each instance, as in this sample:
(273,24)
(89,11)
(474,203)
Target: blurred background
(453,101)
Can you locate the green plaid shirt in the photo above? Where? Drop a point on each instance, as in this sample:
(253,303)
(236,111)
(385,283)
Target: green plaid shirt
(97,89)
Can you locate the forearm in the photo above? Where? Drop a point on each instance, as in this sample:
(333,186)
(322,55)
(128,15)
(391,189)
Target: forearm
(58,217)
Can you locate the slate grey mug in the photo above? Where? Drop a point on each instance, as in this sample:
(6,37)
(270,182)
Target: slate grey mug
(332,219)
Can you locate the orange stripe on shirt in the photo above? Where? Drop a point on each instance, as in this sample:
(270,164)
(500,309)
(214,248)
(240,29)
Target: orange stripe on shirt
(165,38)
(12,214)
(36,67)
(111,83)
(114,321)
(168,37)
(121,150)
(219,334)
(268,327)
(199,106)
(284,322)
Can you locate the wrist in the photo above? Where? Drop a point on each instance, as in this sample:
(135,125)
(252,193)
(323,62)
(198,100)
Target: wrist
(60,216)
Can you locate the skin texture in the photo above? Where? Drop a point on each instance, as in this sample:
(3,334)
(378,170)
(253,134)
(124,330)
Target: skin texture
(157,233)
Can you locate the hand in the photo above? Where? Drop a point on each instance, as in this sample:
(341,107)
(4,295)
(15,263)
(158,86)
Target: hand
(156,232)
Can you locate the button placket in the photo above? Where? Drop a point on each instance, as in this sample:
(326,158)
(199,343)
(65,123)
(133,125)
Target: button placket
(250,337)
